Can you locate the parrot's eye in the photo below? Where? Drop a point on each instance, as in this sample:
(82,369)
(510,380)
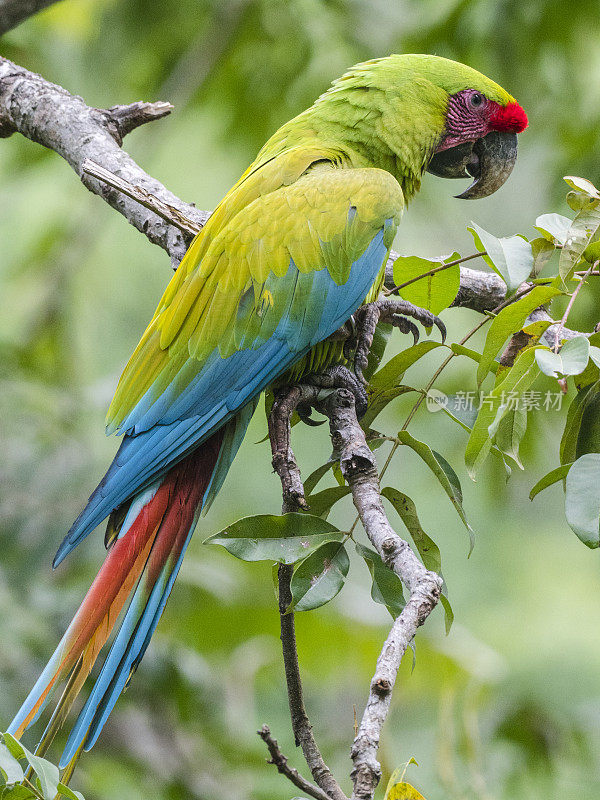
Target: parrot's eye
(476,100)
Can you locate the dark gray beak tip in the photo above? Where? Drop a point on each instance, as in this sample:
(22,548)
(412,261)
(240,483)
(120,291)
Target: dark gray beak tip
(496,154)
(489,161)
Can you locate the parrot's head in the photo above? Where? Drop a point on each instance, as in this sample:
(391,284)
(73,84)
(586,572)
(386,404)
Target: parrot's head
(435,115)
(479,138)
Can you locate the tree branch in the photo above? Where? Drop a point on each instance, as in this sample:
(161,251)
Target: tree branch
(280,761)
(49,115)
(284,463)
(141,196)
(359,468)
(14,12)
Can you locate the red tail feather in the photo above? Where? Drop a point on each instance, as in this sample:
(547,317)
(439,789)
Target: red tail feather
(157,534)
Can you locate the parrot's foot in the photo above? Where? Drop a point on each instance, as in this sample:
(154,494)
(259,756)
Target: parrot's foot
(335,377)
(394,312)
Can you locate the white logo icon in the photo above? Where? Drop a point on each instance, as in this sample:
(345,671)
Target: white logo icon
(436,400)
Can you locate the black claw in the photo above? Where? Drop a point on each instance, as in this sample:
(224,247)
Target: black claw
(305,414)
(402,309)
(441,328)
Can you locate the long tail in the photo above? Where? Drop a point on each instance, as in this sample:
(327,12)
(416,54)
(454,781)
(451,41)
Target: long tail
(139,571)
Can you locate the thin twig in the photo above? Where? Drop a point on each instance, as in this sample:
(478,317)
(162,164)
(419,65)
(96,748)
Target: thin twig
(284,461)
(565,316)
(281,762)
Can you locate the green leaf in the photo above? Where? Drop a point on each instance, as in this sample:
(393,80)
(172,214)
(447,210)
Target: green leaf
(386,587)
(595,355)
(17,792)
(588,435)
(575,354)
(379,400)
(403,791)
(549,363)
(267,537)
(66,791)
(510,257)
(441,469)
(14,747)
(579,235)
(582,500)
(553,227)
(337,473)
(536,329)
(582,185)
(509,321)
(407,511)
(510,430)
(461,350)
(572,358)
(591,373)
(433,292)
(550,478)
(392,373)
(10,766)
(397,778)
(426,547)
(320,504)
(516,380)
(568,442)
(315,476)
(48,774)
(542,251)
(319,577)
(459,412)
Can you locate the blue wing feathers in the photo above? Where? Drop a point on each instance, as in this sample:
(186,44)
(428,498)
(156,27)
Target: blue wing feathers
(162,430)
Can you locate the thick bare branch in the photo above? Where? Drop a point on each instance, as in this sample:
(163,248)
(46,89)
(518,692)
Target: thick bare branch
(141,196)
(49,115)
(359,468)
(14,12)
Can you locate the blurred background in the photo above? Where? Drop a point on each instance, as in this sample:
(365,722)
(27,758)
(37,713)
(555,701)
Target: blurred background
(506,706)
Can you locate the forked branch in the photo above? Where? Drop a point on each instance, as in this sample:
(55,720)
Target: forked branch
(359,468)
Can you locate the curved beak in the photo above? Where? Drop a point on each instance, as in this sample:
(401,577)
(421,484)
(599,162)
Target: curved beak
(489,161)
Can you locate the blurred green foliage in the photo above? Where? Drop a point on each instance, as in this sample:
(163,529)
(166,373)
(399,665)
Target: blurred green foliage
(508,705)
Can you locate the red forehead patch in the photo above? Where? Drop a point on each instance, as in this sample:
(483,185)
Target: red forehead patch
(509,118)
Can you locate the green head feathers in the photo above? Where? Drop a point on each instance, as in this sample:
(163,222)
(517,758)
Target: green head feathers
(412,74)
(394,113)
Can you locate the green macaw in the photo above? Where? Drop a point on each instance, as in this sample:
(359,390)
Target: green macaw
(289,254)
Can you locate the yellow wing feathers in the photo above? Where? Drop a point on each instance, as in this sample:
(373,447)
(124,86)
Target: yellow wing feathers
(324,219)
